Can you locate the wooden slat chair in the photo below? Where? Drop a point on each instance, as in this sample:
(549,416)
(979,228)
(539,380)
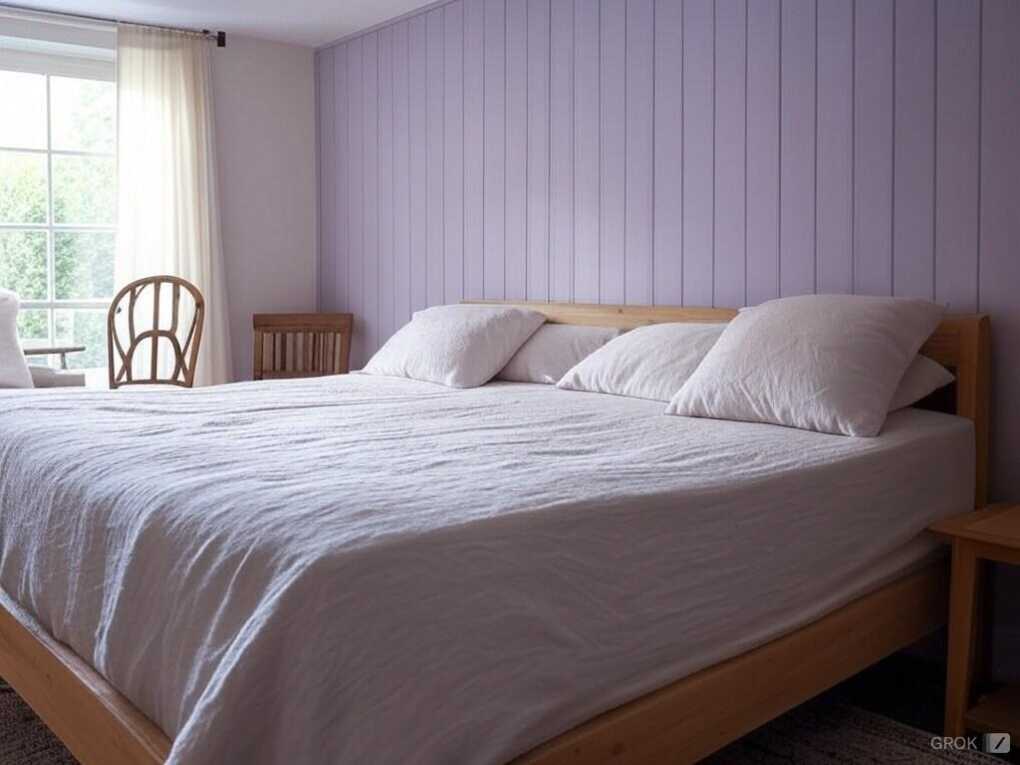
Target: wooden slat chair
(289,345)
(182,342)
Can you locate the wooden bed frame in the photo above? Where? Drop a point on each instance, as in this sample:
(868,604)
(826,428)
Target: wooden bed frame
(682,722)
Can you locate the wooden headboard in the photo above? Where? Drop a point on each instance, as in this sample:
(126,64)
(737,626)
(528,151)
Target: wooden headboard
(961,343)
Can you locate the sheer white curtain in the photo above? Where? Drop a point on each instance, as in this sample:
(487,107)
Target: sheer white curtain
(168,221)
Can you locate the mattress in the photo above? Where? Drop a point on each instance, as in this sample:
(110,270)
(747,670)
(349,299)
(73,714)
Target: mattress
(359,569)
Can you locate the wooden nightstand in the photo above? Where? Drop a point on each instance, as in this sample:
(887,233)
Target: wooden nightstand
(990,534)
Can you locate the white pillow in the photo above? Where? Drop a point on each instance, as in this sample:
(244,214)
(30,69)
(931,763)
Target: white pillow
(461,346)
(554,349)
(13,367)
(829,363)
(648,362)
(923,377)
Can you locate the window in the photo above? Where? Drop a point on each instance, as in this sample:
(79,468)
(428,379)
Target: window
(58,203)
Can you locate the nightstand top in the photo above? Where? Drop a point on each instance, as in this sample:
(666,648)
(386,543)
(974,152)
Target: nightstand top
(995,525)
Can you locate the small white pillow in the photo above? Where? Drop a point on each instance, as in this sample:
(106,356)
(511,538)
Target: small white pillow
(554,349)
(829,363)
(460,346)
(648,362)
(924,376)
(13,367)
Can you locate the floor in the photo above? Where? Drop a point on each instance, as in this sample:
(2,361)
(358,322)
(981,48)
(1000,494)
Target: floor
(907,688)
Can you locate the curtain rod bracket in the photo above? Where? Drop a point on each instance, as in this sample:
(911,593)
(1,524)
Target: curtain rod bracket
(221,37)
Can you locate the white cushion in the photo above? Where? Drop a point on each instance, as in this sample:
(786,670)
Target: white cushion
(13,368)
(460,346)
(47,377)
(554,349)
(923,377)
(829,363)
(648,362)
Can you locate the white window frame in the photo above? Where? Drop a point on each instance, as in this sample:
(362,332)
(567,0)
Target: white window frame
(97,65)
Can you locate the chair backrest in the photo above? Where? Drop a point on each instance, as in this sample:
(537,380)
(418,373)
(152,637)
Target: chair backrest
(142,304)
(301,344)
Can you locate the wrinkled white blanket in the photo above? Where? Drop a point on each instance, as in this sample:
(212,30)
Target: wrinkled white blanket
(369,570)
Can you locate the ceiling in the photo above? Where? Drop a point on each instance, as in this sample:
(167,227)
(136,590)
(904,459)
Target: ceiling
(305,22)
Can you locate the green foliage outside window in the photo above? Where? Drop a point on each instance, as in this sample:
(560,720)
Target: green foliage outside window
(22,187)
(82,327)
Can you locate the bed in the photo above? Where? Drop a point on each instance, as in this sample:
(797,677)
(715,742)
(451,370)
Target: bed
(536,575)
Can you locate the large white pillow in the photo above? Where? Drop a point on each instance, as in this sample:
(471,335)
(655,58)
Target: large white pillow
(648,362)
(923,377)
(461,346)
(13,367)
(554,349)
(829,363)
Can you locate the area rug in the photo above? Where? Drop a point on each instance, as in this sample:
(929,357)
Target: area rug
(822,732)
(24,740)
(831,732)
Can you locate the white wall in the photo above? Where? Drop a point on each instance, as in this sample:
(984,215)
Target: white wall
(265,140)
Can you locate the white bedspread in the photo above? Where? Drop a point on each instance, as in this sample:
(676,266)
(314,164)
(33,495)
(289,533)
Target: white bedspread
(367,570)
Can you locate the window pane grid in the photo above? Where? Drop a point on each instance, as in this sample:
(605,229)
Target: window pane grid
(57,227)
(78,249)
(64,152)
(50,281)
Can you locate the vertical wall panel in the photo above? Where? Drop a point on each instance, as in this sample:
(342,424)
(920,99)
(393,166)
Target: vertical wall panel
(798,83)
(325,136)
(667,258)
(370,238)
(698,151)
(356,198)
(453,152)
(494,143)
(386,209)
(340,161)
(612,149)
(435,136)
(762,151)
(999,277)
(730,153)
(957,161)
(474,152)
(559,152)
(516,149)
(401,177)
(835,135)
(1000,229)
(873,147)
(538,149)
(418,114)
(639,114)
(561,149)
(586,151)
(914,149)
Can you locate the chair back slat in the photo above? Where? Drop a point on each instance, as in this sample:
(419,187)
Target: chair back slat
(155,335)
(301,345)
(121,351)
(176,309)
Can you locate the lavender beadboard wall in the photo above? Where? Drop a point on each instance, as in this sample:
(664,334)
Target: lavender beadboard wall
(678,151)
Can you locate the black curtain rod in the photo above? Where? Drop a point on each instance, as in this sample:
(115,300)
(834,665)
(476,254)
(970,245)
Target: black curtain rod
(220,37)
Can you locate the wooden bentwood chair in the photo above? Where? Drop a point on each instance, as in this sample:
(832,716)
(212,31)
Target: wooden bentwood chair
(149,291)
(291,345)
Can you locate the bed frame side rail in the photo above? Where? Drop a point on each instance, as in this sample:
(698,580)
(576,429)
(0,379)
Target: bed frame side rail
(95,722)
